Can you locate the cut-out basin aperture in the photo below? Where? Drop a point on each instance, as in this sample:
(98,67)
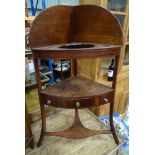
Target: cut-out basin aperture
(74,46)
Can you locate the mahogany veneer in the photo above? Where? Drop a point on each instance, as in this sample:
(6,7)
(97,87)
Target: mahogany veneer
(74,32)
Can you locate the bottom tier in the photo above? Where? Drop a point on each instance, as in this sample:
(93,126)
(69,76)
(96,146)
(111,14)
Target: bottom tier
(77,130)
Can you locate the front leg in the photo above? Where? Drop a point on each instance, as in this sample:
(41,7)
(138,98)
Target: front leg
(112,123)
(43,117)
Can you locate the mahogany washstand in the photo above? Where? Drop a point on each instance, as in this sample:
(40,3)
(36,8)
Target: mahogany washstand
(76,32)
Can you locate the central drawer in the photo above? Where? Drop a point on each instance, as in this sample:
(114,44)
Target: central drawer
(78,103)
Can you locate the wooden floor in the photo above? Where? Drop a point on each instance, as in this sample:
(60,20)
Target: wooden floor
(61,119)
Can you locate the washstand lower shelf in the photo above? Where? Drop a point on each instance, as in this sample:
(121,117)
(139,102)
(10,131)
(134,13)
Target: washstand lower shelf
(77,92)
(77,130)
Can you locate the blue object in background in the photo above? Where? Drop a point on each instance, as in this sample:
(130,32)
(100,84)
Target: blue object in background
(33,10)
(52,80)
(32,7)
(121,127)
(44,4)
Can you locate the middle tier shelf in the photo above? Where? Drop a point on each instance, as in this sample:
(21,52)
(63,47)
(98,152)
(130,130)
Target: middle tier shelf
(77,92)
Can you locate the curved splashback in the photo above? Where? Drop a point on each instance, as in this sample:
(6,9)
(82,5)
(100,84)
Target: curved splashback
(83,23)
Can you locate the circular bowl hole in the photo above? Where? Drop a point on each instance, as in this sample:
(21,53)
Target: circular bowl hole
(74,46)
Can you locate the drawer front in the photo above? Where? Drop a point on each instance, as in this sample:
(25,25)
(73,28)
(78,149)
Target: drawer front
(52,101)
(106,98)
(78,103)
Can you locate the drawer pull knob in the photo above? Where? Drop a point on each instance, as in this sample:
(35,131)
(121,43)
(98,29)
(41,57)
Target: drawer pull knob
(77,104)
(49,102)
(106,100)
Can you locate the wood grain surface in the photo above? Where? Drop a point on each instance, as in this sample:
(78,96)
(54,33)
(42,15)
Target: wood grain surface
(77,87)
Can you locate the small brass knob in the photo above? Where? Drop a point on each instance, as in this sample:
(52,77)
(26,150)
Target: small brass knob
(106,100)
(49,102)
(77,104)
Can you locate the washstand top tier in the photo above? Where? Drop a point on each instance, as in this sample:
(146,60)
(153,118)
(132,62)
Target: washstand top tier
(83,28)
